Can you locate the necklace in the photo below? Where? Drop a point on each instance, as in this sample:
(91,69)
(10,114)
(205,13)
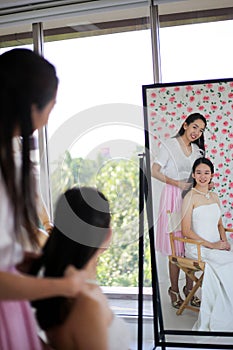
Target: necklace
(90,281)
(186,148)
(207,195)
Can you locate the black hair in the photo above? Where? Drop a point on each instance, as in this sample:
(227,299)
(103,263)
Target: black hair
(197,162)
(26,79)
(81,226)
(191,119)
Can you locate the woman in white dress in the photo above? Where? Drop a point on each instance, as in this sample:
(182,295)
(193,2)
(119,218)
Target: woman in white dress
(201,220)
(81,233)
(173,166)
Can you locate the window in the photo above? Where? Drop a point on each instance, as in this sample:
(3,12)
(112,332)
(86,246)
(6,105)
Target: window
(99,106)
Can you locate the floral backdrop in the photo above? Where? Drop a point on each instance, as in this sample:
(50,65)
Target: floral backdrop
(168,106)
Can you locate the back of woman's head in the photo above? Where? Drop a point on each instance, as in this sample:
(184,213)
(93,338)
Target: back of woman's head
(191,119)
(26,79)
(81,226)
(82,221)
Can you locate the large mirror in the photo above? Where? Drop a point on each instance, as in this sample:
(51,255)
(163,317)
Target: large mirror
(166,109)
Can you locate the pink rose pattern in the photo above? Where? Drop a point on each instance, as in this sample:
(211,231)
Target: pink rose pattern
(169,106)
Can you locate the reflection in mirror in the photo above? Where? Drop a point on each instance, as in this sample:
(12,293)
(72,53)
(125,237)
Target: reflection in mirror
(183,122)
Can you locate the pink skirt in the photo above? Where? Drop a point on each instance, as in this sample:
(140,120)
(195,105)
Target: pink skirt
(18,328)
(170,200)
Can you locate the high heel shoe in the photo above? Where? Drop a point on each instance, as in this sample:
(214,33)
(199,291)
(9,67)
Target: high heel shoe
(175,303)
(195,301)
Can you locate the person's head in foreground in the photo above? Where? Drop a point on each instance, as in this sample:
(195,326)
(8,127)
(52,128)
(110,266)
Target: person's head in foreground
(81,231)
(27,95)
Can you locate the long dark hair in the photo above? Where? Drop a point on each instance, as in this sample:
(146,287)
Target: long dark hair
(191,119)
(25,79)
(82,221)
(197,162)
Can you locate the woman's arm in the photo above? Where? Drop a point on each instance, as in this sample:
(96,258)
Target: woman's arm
(23,287)
(156,173)
(187,210)
(225,245)
(222,231)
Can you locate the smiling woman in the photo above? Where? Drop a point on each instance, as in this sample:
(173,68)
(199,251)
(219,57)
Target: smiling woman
(173,166)
(201,220)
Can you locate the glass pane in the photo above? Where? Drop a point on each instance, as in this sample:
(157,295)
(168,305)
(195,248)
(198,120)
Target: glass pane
(4,49)
(98,121)
(196,51)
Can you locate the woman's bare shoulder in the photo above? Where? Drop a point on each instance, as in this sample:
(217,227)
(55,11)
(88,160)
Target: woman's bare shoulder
(189,196)
(87,302)
(215,195)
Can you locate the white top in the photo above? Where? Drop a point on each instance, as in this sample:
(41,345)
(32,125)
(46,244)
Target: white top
(11,251)
(174,163)
(118,334)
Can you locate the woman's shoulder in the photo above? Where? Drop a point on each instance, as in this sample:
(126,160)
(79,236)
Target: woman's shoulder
(84,309)
(189,194)
(91,302)
(169,143)
(188,199)
(215,196)
(88,300)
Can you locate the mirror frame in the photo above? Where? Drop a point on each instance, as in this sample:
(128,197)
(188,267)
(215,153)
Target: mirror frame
(150,108)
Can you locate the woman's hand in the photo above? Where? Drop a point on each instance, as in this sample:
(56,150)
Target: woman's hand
(210,186)
(183,185)
(75,280)
(221,245)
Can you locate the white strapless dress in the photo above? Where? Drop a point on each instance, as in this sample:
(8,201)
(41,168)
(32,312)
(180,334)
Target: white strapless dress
(118,334)
(216,312)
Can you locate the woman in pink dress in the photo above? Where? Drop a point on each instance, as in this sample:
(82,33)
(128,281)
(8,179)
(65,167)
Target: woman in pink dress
(27,95)
(173,167)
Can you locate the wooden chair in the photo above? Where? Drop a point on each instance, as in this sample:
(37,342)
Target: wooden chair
(189,266)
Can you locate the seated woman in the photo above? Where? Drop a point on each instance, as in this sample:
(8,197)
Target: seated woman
(81,233)
(201,220)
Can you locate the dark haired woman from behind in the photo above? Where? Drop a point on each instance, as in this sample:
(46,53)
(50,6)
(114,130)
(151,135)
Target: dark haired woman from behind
(81,233)
(173,167)
(28,86)
(201,220)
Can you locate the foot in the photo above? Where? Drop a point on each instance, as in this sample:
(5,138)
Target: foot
(176,300)
(195,301)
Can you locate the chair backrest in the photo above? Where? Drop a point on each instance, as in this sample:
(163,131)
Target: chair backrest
(174,224)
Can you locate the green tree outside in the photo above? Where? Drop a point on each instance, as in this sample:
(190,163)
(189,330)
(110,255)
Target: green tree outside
(118,180)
